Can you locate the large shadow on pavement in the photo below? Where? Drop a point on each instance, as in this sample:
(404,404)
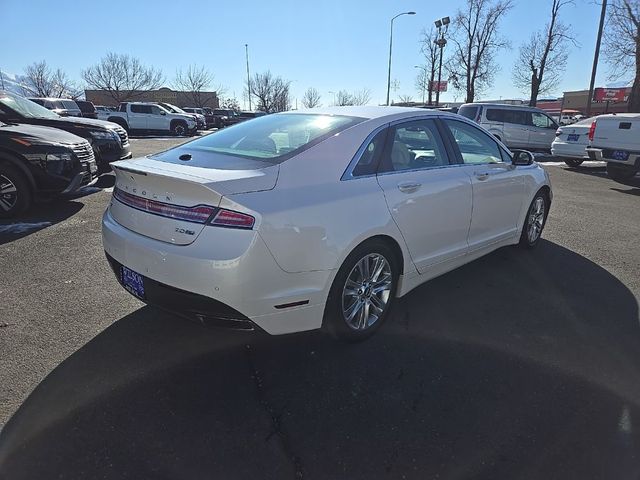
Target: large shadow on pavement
(41,215)
(520,365)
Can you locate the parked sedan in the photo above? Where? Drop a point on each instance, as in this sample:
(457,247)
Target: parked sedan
(317,218)
(40,162)
(571,143)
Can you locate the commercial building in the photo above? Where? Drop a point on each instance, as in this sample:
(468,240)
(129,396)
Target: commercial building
(164,94)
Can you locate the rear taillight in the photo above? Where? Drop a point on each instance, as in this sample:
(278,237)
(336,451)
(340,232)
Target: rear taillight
(203,214)
(197,214)
(229,218)
(592,130)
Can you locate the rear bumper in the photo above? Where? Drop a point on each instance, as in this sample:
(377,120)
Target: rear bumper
(223,269)
(604,155)
(567,150)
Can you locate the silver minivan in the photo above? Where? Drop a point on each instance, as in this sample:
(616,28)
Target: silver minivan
(517,126)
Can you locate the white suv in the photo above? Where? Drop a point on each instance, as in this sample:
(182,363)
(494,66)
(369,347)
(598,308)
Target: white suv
(517,126)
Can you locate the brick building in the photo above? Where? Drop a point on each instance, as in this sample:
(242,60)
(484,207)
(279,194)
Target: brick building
(164,94)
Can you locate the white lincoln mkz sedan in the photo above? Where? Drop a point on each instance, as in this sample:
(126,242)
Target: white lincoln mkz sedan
(317,218)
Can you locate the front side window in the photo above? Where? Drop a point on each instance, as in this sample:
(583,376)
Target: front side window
(156,110)
(414,145)
(274,138)
(476,147)
(540,120)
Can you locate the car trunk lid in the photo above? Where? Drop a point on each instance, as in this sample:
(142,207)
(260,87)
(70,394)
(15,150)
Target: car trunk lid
(170,202)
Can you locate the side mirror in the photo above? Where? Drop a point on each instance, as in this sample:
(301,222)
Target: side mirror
(522,157)
(162,112)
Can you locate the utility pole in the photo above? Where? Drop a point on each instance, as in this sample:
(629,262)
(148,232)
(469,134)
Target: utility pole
(246,50)
(603,13)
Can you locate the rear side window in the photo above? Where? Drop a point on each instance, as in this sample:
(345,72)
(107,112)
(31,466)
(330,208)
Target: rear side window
(504,115)
(412,146)
(274,138)
(69,104)
(469,111)
(370,156)
(141,108)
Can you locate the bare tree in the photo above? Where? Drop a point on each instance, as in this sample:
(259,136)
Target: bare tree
(272,93)
(123,77)
(360,97)
(543,58)
(622,45)
(405,98)
(311,98)
(230,104)
(427,75)
(42,81)
(195,81)
(476,40)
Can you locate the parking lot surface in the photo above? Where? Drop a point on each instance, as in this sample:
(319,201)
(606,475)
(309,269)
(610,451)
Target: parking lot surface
(523,364)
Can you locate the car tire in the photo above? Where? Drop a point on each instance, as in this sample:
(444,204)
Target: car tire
(15,192)
(353,292)
(535,220)
(573,162)
(179,129)
(620,173)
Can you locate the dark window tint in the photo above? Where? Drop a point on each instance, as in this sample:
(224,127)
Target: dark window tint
(504,115)
(38,101)
(476,146)
(414,145)
(469,111)
(86,107)
(141,108)
(370,155)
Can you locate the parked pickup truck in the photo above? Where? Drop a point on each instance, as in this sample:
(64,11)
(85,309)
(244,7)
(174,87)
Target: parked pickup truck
(615,139)
(150,117)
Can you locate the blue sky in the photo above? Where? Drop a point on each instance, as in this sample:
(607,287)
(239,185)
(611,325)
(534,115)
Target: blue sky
(328,44)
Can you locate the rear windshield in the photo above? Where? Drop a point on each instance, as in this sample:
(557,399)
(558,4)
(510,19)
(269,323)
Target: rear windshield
(469,111)
(274,138)
(69,104)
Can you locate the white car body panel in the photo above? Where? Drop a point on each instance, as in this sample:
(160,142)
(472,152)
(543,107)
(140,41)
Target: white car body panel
(577,149)
(308,219)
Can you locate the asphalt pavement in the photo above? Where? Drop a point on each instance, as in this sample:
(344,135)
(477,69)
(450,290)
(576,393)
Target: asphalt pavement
(523,364)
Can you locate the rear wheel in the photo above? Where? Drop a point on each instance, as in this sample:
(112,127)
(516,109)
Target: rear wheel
(620,173)
(573,162)
(363,292)
(535,220)
(15,193)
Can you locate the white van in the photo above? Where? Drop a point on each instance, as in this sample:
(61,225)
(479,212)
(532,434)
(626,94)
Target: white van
(517,126)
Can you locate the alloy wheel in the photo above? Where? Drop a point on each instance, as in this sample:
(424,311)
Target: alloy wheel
(8,193)
(535,220)
(367,291)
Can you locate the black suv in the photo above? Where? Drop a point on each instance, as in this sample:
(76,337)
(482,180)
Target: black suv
(110,142)
(40,162)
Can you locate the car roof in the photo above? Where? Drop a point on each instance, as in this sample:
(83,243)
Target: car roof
(369,112)
(52,98)
(502,105)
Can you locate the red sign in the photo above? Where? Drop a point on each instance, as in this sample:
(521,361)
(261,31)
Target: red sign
(609,94)
(438,86)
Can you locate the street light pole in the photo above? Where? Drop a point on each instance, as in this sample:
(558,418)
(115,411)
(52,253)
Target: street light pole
(246,50)
(390,51)
(442,25)
(595,57)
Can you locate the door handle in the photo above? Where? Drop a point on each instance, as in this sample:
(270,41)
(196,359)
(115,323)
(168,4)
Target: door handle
(481,175)
(409,187)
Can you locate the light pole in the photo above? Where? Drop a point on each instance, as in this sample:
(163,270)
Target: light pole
(390,50)
(424,80)
(595,58)
(246,50)
(442,25)
(334,97)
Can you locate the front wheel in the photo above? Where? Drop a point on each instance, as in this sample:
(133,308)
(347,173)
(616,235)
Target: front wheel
(179,129)
(15,194)
(363,292)
(573,162)
(620,173)
(535,221)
